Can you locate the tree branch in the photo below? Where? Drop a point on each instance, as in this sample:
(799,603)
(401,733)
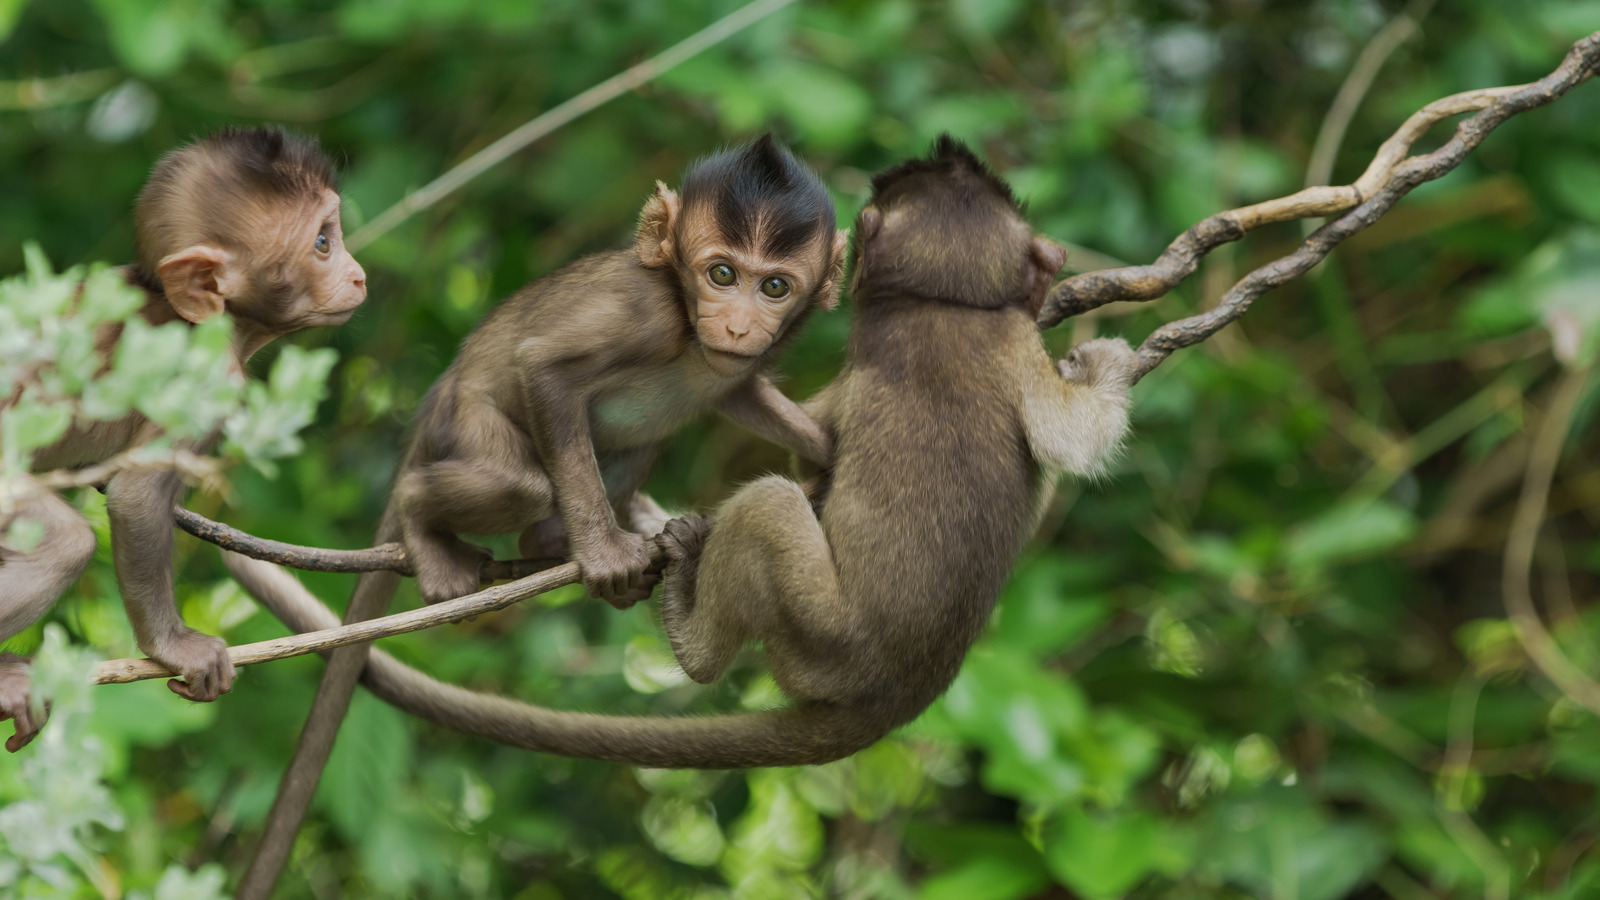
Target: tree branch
(549,121)
(1390,176)
(382,558)
(123,671)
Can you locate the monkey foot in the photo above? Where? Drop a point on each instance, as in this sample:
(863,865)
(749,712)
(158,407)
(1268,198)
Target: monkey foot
(1104,361)
(14,703)
(682,540)
(200,660)
(454,572)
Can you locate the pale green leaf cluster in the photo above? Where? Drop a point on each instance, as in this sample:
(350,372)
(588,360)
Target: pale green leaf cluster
(182,378)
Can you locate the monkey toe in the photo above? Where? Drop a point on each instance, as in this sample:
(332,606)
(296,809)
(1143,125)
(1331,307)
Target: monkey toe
(683,538)
(202,664)
(14,702)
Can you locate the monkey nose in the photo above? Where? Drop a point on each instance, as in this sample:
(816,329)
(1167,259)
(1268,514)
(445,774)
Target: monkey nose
(738,329)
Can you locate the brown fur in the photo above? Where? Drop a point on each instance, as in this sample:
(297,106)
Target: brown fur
(949,424)
(550,417)
(229,223)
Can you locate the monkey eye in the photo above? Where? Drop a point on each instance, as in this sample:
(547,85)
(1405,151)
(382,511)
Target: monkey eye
(322,243)
(774,287)
(722,274)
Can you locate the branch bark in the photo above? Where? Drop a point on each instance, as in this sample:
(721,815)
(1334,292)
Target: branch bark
(1390,176)
(123,671)
(382,558)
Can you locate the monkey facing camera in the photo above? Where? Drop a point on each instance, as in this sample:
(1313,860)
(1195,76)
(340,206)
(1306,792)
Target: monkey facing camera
(611,355)
(245,221)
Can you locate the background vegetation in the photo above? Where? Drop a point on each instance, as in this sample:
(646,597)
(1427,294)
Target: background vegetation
(1267,657)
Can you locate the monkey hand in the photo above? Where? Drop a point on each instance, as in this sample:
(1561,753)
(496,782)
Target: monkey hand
(200,660)
(14,701)
(1105,362)
(614,568)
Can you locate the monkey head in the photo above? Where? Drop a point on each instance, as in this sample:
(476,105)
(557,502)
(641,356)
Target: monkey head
(247,221)
(946,228)
(752,243)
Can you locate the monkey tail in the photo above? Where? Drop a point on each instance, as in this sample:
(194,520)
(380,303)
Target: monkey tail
(806,734)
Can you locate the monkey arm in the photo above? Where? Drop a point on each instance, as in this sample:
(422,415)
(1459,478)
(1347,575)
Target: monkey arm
(1076,413)
(139,503)
(557,417)
(759,406)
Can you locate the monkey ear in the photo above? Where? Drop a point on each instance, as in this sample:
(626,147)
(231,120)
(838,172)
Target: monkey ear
(828,296)
(1045,259)
(868,223)
(197,281)
(656,221)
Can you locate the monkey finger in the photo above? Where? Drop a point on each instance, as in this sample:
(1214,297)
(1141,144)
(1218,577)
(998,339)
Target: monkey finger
(181,689)
(26,730)
(22,738)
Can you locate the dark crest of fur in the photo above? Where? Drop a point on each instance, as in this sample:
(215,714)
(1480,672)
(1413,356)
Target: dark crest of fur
(761,184)
(187,195)
(951,231)
(948,157)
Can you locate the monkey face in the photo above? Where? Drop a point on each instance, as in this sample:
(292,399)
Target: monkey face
(331,284)
(741,300)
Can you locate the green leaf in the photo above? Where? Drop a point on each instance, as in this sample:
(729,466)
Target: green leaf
(1348,531)
(368,765)
(1101,855)
(829,109)
(683,829)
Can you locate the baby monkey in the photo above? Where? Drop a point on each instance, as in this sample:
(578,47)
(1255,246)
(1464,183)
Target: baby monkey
(554,411)
(246,222)
(949,422)
(551,416)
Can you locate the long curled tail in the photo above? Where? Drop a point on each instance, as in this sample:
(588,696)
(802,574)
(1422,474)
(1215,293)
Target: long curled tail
(808,734)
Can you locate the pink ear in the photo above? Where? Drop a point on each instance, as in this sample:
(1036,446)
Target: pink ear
(868,223)
(1049,256)
(656,220)
(1045,259)
(197,281)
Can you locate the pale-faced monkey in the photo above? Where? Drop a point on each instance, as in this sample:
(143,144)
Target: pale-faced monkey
(245,222)
(949,422)
(552,414)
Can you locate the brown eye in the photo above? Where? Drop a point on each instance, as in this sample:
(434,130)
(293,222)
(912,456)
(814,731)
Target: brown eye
(774,287)
(722,275)
(322,243)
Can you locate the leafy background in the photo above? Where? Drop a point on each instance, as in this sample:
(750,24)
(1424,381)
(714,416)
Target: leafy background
(1233,668)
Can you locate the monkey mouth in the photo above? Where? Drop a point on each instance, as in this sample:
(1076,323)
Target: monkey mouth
(728,361)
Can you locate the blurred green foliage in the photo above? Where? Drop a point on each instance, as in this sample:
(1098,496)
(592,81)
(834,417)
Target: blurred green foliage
(1232,669)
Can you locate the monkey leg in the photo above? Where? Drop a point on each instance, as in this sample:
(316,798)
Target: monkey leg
(479,495)
(765,573)
(29,585)
(622,472)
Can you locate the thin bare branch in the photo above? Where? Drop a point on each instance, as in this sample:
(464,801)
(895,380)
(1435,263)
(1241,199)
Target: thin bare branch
(1495,105)
(1401,28)
(594,97)
(1390,176)
(382,558)
(122,671)
(1517,569)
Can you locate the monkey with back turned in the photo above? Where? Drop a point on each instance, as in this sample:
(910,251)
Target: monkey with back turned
(554,410)
(949,424)
(246,222)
